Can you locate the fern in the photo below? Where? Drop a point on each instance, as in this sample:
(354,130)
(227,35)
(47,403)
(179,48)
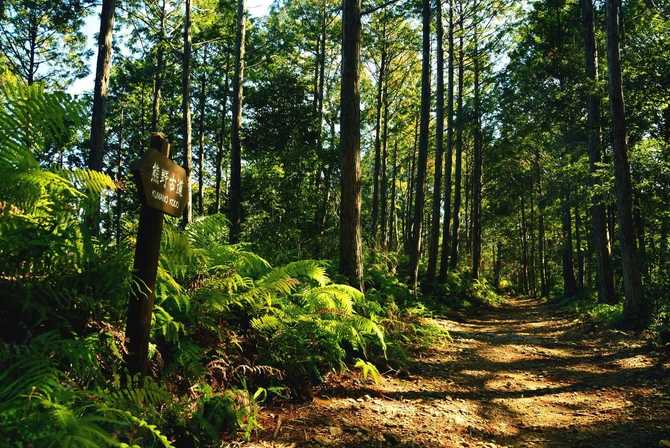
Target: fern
(368,370)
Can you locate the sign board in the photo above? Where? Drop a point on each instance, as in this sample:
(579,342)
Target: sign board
(164,183)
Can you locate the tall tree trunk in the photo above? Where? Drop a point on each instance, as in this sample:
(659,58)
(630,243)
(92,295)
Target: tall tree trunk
(383,186)
(524,246)
(119,174)
(638,219)
(532,240)
(186,112)
(544,277)
(598,221)
(636,309)
(32,66)
(434,239)
(102,71)
(235,194)
(415,252)
(477,163)
(351,257)
(222,143)
(158,70)
(378,136)
(497,264)
(320,212)
(663,246)
(459,142)
(468,201)
(201,135)
(393,239)
(580,252)
(408,232)
(569,281)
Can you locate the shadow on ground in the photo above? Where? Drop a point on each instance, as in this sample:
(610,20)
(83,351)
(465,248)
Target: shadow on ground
(520,376)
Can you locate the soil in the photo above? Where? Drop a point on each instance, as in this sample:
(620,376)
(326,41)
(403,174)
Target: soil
(521,375)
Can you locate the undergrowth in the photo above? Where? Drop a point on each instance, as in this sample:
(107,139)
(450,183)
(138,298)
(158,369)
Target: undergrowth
(587,307)
(229,330)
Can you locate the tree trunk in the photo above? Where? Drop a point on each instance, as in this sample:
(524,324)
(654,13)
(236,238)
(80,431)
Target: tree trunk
(636,310)
(119,174)
(524,245)
(439,150)
(32,66)
(544,278)
(468,200)
(641,239)
(532,240)
(383,186)
(235,195)
(222,143)
(663,246)
(569,282)
(201,134)
(320,213)
(158,73)
(408,232)
(351,257)
(580,252)
(378,132)
(393,239)
(598,222)
(102,71)
(497,265)
(415,252)
(459,145)
(477,165)
(186,112)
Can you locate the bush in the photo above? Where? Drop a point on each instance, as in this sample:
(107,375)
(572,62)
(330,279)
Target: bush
(461,291)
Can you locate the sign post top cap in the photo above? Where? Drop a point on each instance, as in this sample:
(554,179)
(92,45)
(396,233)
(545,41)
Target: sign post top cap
(159,142)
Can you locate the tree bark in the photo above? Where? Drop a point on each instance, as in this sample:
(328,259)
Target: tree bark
(222,143)
(598,221)
(569,282)
(407,233)
(524,245)
(459,146)
(378,132)
(158,73)
(119,174)
(235,195)
(415,249)
(351,257)
(186,112)
(102,72)
(636,309)
(383,186)
(477,163)
(393,239)
(580,252)
(439,151)
(201,134)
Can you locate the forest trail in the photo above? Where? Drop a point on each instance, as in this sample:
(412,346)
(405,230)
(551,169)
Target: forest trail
(522,375)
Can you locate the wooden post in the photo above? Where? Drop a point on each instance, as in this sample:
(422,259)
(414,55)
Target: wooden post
(142,295)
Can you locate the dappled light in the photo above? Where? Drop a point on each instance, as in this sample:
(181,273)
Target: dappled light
(482,390)
(334,223)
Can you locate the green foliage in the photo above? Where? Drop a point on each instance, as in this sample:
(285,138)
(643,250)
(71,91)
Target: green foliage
(226,413)
(462,291)
(43,405)
(368,369)
(590,310)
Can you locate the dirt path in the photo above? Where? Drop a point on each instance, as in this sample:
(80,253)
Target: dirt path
(515,376)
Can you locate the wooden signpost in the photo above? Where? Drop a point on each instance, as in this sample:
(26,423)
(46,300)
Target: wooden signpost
(162,186)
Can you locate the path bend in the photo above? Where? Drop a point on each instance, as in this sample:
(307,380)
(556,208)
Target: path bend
(521,375)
